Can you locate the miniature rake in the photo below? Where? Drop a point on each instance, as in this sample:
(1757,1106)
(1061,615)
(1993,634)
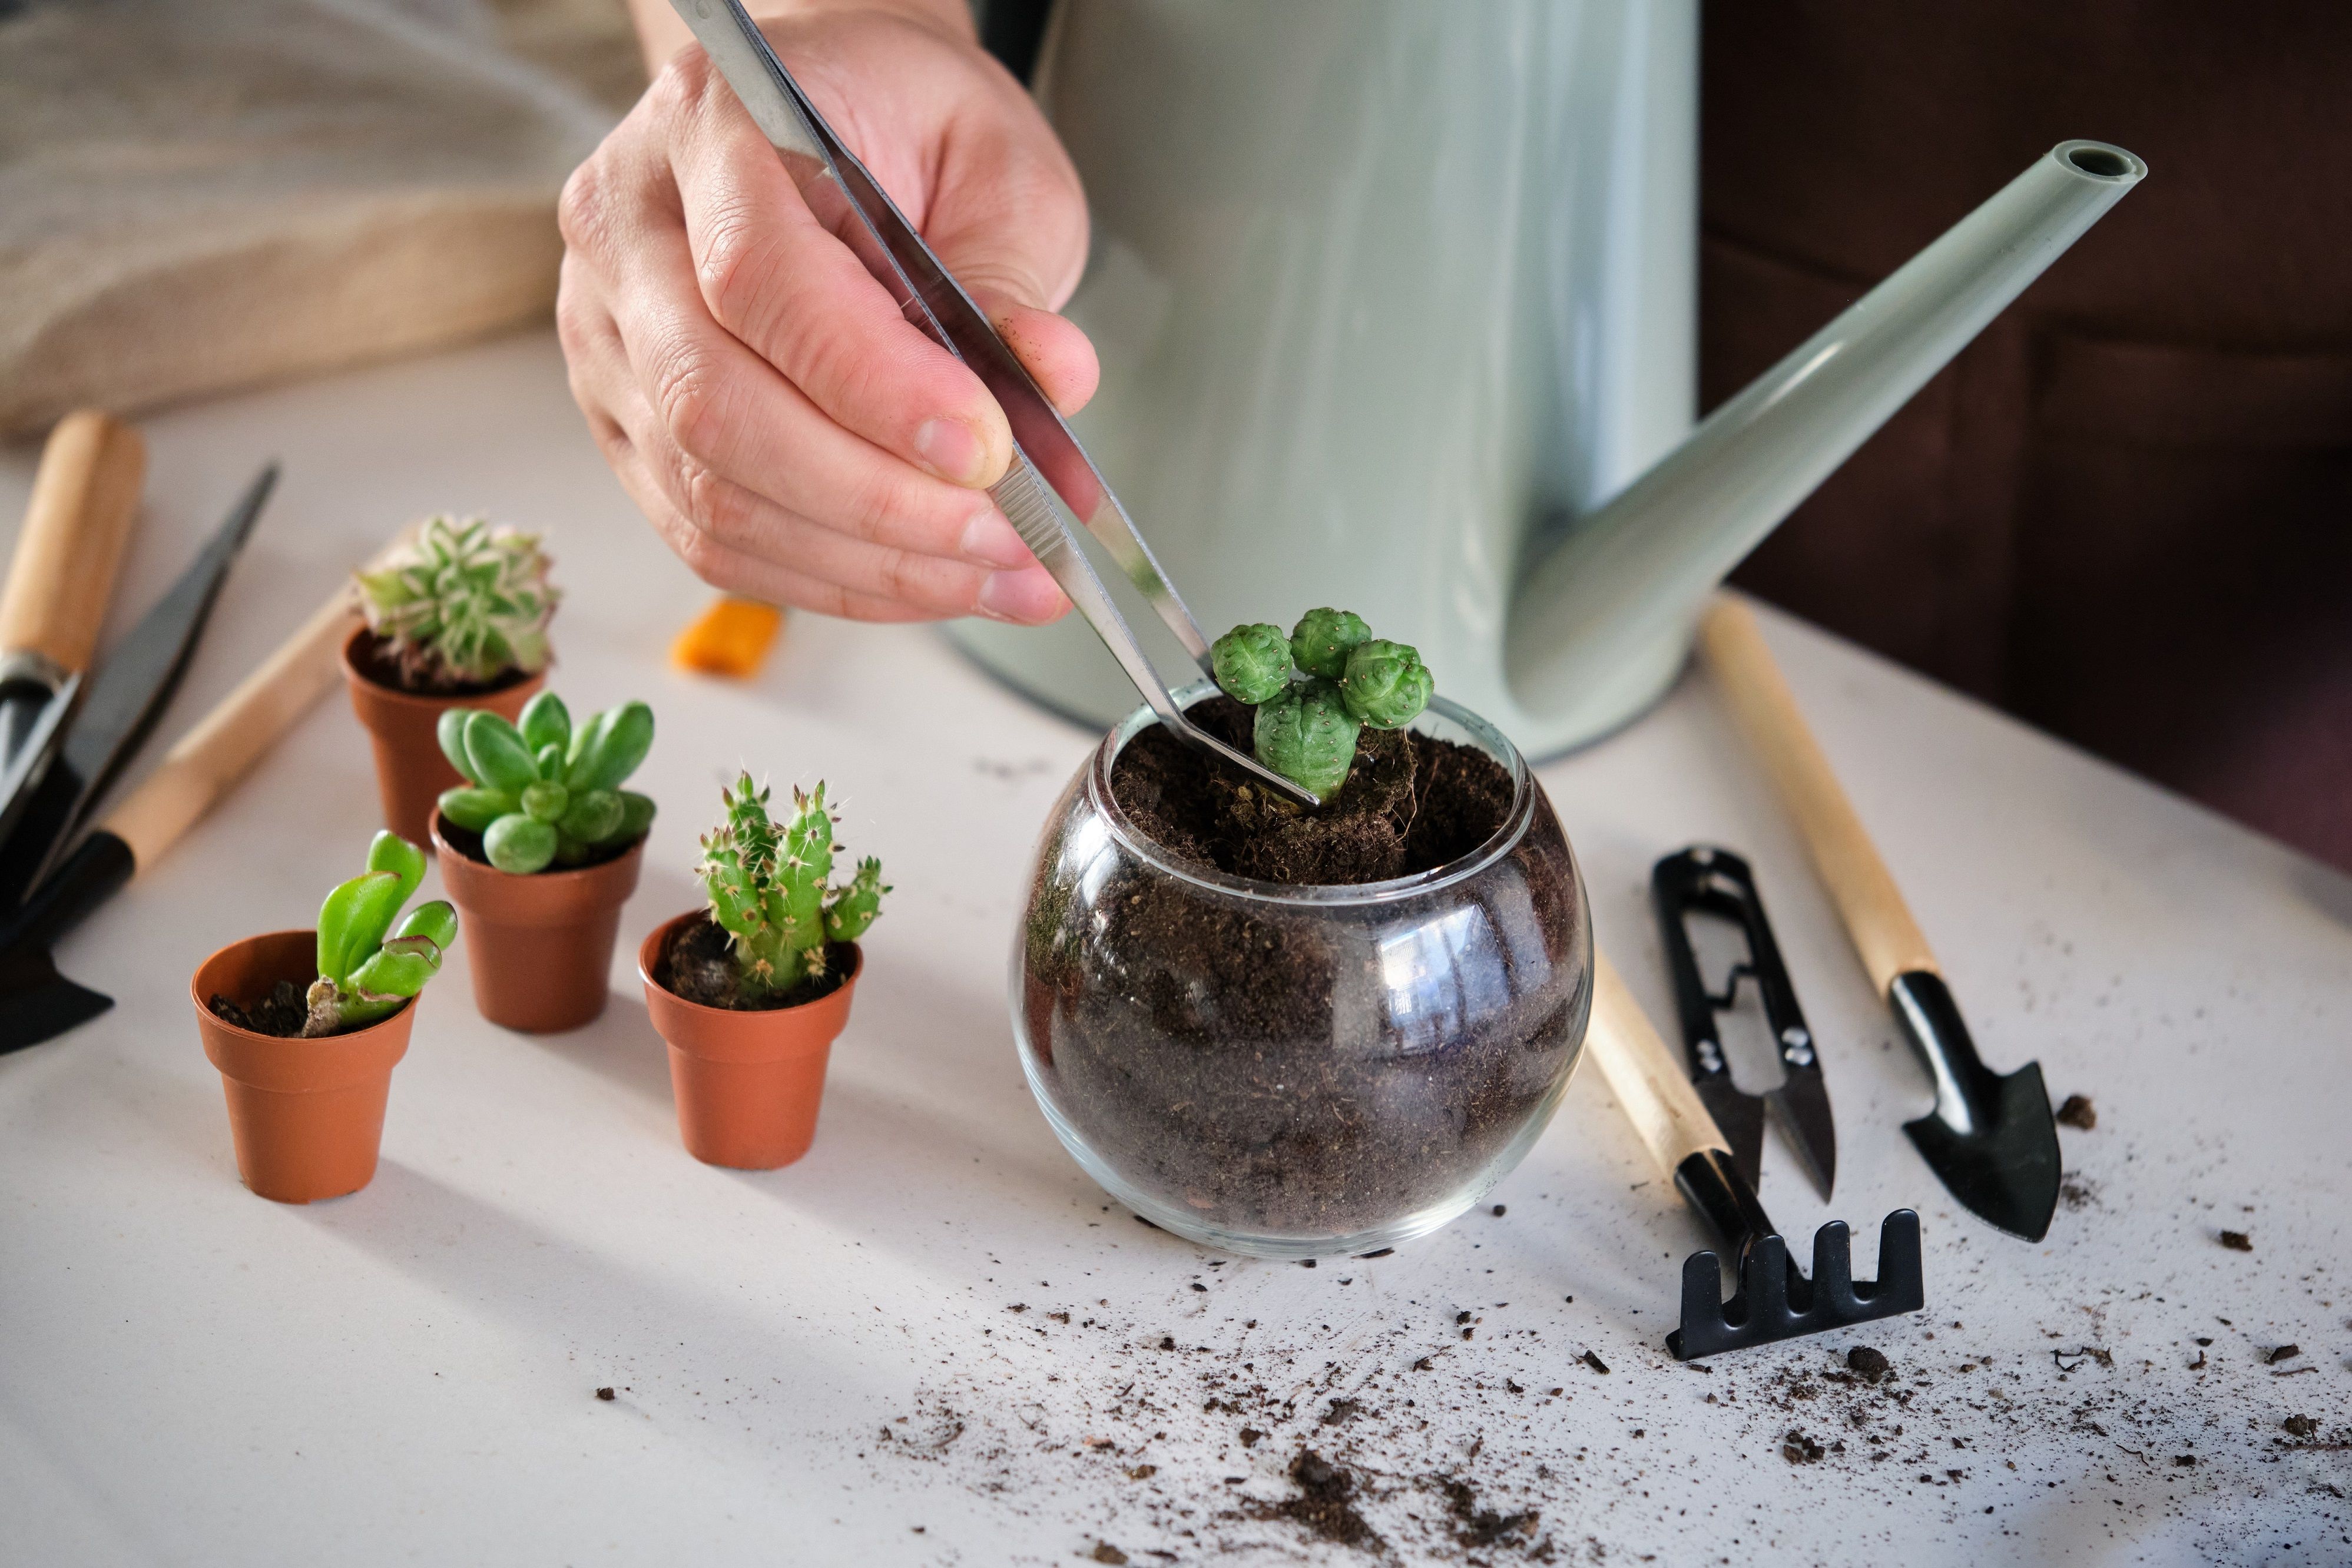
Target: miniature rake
(1774,1301)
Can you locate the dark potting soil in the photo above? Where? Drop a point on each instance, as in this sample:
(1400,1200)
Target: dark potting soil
(467,842)
(1276,1070)
(697,963)
(373,658)
(281,1014)
(1410,804)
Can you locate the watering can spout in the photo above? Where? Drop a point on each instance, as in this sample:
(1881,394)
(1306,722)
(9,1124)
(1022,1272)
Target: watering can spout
(1621,589)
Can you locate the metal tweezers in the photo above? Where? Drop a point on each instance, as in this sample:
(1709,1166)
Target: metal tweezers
(854,206)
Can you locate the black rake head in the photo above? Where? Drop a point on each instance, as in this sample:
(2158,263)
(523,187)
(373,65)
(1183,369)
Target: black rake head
(1774,1302)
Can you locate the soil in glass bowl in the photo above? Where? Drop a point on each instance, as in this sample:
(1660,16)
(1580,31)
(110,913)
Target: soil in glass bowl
(1289,1075)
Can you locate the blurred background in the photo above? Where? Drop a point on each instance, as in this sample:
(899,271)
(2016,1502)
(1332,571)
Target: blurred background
(2124,515)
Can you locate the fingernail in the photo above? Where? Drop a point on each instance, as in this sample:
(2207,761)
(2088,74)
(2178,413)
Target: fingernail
(989,540)
(1024,597)
(951,449)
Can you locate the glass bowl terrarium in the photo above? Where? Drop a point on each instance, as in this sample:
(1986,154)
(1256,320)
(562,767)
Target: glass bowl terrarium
(1295,1069)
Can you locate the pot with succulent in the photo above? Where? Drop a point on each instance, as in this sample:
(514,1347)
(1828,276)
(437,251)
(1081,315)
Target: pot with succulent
(750,990)
(456,618)
(541,846)
(1292,1031)
(306,1027)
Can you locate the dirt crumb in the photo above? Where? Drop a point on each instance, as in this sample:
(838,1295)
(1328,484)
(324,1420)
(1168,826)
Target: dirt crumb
(2237,1241)
(2077,1112)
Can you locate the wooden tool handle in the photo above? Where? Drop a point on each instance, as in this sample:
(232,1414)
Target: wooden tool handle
(1888,940)
(84,496)
(210,758)
(1643,1074)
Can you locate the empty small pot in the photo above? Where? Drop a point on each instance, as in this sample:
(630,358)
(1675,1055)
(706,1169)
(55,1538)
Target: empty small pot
(306,1115)
(748,1083)
(410,771)
(540,946)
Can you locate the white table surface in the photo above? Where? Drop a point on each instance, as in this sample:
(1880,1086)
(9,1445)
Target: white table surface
(189,1374)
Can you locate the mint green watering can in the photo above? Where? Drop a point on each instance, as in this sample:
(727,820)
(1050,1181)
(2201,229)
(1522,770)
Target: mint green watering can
(1395,303)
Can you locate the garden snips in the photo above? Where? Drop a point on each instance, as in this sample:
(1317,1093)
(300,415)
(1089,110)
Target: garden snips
(1715,881)
(1048,462)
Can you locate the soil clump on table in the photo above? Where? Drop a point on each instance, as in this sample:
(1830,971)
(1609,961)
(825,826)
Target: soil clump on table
(281,1014)
(697,963)
(373,658)
(1411,803)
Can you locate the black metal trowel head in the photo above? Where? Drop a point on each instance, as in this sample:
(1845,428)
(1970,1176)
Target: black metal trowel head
(1993,1139)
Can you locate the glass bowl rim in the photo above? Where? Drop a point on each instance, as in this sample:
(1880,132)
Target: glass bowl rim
(1501,842)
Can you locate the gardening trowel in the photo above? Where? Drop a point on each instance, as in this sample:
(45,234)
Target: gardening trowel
(36,1003)
(1992,1139)
(84,497)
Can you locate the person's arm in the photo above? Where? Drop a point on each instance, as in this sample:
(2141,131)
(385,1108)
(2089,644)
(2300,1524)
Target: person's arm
(791,435)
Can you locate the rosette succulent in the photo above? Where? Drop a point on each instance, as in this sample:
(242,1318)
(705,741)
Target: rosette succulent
(769,890)
(544,792)
(367,968)
(1315,689)
(465,604)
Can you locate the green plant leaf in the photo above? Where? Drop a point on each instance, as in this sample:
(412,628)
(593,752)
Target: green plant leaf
(637,816)
(622,737)
(546,722)
(476,810)
(546,801)
(1386,685)
(436,921)
(353,919)
(520,843)
(450,731)
(389,852)
(501,760)
(593,817)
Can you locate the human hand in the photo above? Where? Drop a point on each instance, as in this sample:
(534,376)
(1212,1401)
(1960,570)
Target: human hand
(790,435)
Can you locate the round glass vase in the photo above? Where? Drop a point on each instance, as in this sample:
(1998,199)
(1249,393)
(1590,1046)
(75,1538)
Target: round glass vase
(1297,1071)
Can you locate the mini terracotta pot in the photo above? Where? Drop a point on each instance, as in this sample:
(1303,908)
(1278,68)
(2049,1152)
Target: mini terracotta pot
(748,1083)
(540,946)
(410,771)
(306,1115)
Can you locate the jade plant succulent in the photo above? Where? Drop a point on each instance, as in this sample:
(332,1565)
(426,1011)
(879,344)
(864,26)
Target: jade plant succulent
(367,968)
(466,603)
(1316,688)
(544,792)
(768,888)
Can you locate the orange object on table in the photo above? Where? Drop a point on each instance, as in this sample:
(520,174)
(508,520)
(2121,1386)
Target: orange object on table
(731,638)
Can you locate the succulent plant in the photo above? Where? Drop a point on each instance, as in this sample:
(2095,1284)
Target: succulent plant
(1253,663)
(1345,678)
(1386,685)
(366,967)
(464,604)
(769,890)
(1320,642)
(544,793)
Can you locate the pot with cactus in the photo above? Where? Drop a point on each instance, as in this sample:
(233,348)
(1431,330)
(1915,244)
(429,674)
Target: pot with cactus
(1292,1031)
(541,846)
(750,990)
(307,1026)
(456,618)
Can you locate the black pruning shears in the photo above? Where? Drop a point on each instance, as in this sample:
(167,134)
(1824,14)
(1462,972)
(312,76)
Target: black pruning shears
(1707,881)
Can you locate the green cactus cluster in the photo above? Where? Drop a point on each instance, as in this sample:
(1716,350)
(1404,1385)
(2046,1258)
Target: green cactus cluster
(1316,688)
(367,968)
(465,603)
(769,888)
(544,792)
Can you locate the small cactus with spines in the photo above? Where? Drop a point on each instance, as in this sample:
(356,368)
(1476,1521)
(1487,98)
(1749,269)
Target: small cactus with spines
(464,604)
(542,792)
(770,888)
(1317,689)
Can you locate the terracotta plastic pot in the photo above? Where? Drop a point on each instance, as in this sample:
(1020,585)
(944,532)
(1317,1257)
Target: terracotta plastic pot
(306,1115)
(540,946)
(410,771)
(748,1083)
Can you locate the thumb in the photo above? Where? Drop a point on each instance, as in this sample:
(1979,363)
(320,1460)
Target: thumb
(1005,280)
